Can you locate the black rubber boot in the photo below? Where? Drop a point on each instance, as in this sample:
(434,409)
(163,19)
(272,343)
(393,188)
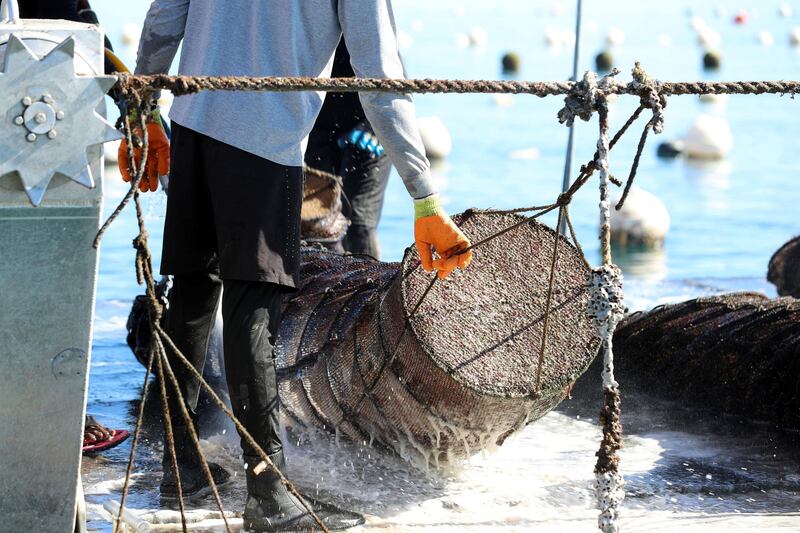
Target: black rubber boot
(271,507)
(193,479)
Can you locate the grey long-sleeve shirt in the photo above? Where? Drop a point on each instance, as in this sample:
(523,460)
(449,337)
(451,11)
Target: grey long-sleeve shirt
(282,38)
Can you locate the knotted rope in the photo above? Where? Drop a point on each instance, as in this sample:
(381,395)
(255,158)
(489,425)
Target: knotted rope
(183,85)
(607,308)
(605,286)
(650,97)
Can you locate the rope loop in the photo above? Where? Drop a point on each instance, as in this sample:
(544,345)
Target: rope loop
(564,199)
(650,96)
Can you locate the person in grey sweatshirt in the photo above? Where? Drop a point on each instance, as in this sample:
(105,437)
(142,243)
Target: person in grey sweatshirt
(233,209)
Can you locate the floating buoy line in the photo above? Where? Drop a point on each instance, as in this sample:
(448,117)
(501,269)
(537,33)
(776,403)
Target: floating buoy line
(606,306)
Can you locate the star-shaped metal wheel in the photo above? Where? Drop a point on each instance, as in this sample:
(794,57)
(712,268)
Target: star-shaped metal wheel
(48,117)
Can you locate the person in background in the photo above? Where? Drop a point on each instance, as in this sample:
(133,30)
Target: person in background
(52,9)
(344,143)
(233,209)
(96,437)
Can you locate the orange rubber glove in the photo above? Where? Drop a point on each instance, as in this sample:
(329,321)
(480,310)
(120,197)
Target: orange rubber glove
(435,233)
(157,154)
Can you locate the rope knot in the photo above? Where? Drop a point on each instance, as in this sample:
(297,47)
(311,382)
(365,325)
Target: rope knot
(156,309)
(649,91)
(580,101)
(140,241)
(564,199)
(585,97)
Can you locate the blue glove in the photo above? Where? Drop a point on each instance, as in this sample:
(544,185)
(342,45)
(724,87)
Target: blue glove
(364,140)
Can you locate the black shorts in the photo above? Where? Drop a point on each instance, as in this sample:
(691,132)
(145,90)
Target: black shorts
(229,206)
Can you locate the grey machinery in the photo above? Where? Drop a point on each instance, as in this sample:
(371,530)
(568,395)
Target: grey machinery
(51,167)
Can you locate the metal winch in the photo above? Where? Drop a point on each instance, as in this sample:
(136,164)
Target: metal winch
(51,89)
(52,127)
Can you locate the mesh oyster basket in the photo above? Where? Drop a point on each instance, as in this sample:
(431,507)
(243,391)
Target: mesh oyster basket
(436,381)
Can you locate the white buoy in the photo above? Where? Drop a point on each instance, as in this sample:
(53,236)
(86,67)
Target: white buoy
(642,220)
(525,154)
(503,99)
(765,38)
(697,23)
(462,40)
(709,137)
(435,137)
(130,34)
(715,99)
(557,9)
(794,37)
(615,37)
(552,36)
(709,38)
(568,38)
(785,10)
(478,37)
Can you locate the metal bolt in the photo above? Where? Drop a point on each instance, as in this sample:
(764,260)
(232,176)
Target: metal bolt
(19,121)
(60,115)
(52,134)
(31,137)
(40,118)
(47,99)
(27,101)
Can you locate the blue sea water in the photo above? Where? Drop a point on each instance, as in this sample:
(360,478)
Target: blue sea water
(727,220)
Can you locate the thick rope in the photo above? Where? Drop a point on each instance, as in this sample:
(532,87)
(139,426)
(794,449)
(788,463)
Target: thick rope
(183,85)
(170,444)
(656,102)
(606,308)
(134,443)
(266,461)
(548,303)
(187,418)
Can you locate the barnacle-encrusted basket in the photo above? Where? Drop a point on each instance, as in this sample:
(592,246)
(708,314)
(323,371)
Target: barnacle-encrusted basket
(737,353)
(784,269)
(436,381)
(321,219)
